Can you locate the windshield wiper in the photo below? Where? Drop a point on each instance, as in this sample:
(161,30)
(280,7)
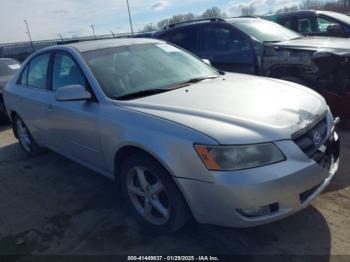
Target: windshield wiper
(192,81)
(142,93)
(155,91)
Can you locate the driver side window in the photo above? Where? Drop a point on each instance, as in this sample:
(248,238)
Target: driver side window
(217,39)
(66,72)
(323,24)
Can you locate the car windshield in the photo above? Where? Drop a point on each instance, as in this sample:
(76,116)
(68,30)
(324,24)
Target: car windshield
(265,31)
(8,67)
(341,17)
(146,68)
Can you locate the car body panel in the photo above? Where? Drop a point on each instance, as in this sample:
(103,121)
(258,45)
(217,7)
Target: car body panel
(216,107)
(338,46)
(168,125)
(321,63)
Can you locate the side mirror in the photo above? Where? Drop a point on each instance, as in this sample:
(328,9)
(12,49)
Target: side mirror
(335,28)
(206,61)
(72,93)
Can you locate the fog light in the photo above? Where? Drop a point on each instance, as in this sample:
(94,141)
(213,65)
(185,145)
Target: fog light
(259,211)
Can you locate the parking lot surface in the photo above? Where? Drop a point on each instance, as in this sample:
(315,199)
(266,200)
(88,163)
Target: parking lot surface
(50,205)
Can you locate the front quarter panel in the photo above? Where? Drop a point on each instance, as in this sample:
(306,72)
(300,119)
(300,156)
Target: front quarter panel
(170,143)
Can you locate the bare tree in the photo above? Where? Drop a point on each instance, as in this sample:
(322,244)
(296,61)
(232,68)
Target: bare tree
(213,12)
(175,19)
(149,28)
(248,10)
(287,9)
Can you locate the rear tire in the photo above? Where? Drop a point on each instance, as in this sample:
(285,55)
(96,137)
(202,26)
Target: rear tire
(26,140)
(152,195)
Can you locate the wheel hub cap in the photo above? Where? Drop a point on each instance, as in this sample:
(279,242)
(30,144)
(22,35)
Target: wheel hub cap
(148,195)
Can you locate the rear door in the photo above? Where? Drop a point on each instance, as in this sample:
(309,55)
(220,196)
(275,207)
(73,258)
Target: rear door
(226,48)
(33,95)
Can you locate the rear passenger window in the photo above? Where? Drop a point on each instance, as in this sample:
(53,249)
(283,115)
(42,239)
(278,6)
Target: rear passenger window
(38,68)
(24,77)
(66,72)
(185,38)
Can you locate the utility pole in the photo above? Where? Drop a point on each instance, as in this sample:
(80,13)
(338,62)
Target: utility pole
(93,30)
(132,31)
(60,37)
(112,34)
(28,32)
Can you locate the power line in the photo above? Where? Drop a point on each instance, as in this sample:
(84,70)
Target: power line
(132,31)
(28,32)
(93,30)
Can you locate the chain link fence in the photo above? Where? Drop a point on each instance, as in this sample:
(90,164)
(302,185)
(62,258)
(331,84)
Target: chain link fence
(20,51)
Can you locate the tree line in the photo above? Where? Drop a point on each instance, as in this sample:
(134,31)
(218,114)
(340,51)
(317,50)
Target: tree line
(209,13)
(342,6)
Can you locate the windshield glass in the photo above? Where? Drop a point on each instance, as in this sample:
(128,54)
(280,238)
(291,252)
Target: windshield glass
(341,17)
(265,31)
(8,67)
(126,70)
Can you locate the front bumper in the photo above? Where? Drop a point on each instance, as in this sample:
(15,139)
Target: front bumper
(291,184)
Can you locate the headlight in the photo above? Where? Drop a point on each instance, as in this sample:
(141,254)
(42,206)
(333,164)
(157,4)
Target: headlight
(239,157)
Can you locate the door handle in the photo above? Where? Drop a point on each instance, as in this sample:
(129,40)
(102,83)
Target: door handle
(50,108)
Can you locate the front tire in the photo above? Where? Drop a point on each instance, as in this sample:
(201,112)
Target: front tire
(152,195)
(25,138)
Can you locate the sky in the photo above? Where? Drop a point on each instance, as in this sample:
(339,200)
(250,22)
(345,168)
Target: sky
(49,18)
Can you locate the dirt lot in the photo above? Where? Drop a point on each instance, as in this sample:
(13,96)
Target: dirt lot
(50,205)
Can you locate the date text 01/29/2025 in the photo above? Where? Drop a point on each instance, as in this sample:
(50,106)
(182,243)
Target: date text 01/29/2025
(173,258)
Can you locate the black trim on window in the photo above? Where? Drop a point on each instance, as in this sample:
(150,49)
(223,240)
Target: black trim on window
(87,83)
(28,65)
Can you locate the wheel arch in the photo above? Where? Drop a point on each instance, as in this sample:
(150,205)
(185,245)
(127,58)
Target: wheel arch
(129,149)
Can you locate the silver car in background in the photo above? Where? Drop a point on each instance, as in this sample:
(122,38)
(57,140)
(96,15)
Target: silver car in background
(179,138)
(8,68)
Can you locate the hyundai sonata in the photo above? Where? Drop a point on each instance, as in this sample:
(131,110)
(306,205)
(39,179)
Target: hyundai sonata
(180,138)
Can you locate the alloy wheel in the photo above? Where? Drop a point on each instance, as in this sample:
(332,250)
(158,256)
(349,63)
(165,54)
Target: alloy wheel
(148,195)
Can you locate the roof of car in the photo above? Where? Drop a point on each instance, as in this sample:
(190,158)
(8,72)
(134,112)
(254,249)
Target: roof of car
(242,19)
(304,12)
(102,44)
(198,22)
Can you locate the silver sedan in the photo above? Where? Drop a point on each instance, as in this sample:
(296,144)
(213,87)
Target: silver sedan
(180,138)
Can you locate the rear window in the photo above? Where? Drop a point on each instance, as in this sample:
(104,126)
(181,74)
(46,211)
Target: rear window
(265,31)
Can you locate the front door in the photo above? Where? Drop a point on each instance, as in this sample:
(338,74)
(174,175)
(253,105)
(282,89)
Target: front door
(73,125)
(227,49)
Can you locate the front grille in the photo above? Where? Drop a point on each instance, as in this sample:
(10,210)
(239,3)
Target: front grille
(306,141)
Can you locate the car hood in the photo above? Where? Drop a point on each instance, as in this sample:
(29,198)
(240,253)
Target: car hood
(237,108)
(340,46)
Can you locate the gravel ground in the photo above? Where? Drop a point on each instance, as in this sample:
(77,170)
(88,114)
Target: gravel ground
(50,205)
